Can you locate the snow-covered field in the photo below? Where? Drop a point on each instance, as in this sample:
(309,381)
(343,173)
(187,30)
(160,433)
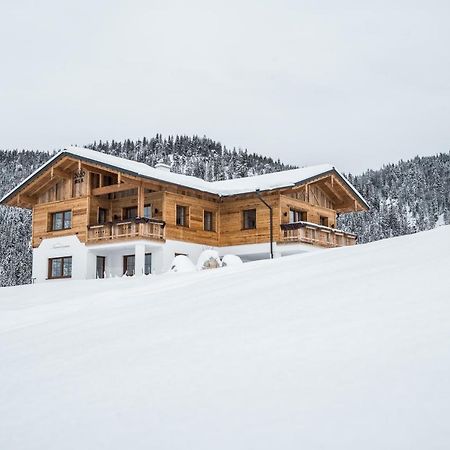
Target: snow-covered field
(340,349)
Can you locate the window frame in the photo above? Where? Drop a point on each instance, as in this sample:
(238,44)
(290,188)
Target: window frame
(301,214)
(244,224)
(212,228)
(185,216)
(52,220)
(103,259)
(101,210)
(125,265)
(50,267)
(145,264)
(125,212)
(148,205)
(324,219)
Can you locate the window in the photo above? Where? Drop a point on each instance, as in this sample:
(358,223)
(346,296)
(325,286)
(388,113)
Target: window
(129,213)
(324,221)
(101,266)
(182,216)
(102,215)
(208,221)
(148,264)
(128,265)
(297,216)
(61,220)
(249,219)
(60,267)
(148,211)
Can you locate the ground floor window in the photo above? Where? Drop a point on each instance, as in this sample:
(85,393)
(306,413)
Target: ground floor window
(101,260)
(148,264)
(128,265)
(60,267)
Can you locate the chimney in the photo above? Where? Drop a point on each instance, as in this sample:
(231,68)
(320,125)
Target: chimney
(163,166)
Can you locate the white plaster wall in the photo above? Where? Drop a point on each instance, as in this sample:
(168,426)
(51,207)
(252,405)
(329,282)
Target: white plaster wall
(84,257)
(57,247)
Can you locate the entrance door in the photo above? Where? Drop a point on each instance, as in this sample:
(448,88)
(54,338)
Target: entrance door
(101,266)
(128,265)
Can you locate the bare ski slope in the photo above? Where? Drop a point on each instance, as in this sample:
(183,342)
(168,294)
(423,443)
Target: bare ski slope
(341,349)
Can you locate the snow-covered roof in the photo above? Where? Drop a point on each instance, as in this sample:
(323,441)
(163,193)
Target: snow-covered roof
(224,188)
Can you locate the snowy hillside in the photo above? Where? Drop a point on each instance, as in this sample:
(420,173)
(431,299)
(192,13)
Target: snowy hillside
(341,349)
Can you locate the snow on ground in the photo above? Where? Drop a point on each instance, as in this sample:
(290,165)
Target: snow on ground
(341,349)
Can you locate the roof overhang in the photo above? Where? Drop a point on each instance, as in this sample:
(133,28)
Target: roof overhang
(67,153)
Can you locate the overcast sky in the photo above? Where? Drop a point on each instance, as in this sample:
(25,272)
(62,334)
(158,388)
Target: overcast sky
(353,83)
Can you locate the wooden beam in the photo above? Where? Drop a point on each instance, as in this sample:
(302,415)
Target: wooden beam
(112,188)
(46,185)
(140,211)
(333,190)
(128,180)
(25,199)
(56,172)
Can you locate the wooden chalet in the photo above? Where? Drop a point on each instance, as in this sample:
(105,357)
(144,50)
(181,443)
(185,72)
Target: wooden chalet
(102,207)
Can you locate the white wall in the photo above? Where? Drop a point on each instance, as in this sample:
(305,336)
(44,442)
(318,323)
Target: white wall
(84,257)
(58,247)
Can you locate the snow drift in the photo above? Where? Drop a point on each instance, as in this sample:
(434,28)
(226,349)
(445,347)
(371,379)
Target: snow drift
(340,349)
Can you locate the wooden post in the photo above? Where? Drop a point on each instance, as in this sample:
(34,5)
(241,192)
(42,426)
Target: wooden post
(140,208)
(140,205)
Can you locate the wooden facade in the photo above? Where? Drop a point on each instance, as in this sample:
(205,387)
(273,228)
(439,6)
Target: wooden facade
(108,204)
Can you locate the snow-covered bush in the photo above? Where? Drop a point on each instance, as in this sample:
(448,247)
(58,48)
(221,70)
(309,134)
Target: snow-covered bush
(209,259)
(182,264)
(231,261)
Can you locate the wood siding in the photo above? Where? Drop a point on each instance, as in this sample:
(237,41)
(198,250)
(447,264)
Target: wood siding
(313,212)
(231,220)
(42,219)
(56,190)
(194,232)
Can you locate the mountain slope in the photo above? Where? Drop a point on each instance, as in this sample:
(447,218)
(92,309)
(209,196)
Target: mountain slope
(340,349)
(404,198)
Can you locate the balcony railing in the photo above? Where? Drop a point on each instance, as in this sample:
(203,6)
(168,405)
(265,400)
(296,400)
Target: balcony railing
(311,233)
(125,229)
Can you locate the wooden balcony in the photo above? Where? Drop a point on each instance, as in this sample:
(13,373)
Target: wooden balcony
(310,233)
(126,229)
